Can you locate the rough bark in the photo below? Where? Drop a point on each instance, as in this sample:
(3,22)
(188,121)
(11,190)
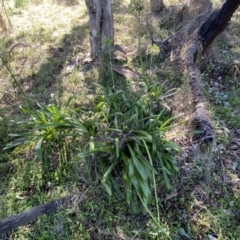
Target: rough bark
(217,22)
(157,6)
(23,218)
(101,26)
(209,30)
(201,120)
(185,49)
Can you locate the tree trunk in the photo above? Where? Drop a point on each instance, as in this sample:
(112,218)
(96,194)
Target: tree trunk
(217,22)
(101,26)
(157,6)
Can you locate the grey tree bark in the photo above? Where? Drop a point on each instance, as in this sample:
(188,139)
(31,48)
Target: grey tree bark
(101,26)
(157,6)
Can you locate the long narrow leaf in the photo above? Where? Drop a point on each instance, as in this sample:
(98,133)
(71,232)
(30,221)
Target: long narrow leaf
(143,134)
(107,188)
(156,120)
(38,149)
(169,121)
(106,174)
(117,147)
(138,166)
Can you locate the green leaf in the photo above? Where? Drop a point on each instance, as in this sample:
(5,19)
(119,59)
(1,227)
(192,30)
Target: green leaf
(33,113)
(166,170)
(116,122)
(171,145)
(117,147)
(133,119)
(69,135)
(106,174)
(54,125)
(107,188)
(182,233)
(166,179)
(148,123)
(150,167)
(134,181)
(156,120)
(143,135)
(18,142)
(148,164)
(116,187)
(144,187)
(129,192)
(139,167)
(91,144)
(169,156)
(38,149)
(85,154)
(130,168)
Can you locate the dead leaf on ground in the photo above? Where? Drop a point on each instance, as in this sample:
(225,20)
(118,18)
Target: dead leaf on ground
(170,196)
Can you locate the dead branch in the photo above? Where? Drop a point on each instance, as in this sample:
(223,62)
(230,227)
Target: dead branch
(125,71)
(15,45)
(217,22)
(201,120)
(11,223)
(186,47)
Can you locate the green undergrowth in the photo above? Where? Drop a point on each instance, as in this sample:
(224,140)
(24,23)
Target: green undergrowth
(123,136)
(106,136)
(223,94)
(230,112)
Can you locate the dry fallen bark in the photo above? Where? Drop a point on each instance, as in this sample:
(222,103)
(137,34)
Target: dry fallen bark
(11,223)
(125,71)
(201,119)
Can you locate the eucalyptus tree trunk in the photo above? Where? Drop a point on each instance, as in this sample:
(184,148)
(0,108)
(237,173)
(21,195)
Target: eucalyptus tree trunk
(101,26)
(157,6)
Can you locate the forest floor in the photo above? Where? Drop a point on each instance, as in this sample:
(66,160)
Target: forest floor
(45,47)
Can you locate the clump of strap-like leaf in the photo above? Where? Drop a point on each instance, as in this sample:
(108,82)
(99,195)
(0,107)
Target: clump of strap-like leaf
(124,136)
(52,131)
(130,143)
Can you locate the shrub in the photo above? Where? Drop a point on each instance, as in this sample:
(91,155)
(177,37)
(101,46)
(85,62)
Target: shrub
(122,136)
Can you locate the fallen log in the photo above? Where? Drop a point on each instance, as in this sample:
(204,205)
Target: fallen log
(186,48)
(11,223)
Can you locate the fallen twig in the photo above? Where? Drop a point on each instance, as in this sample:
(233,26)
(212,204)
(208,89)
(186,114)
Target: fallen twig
(11,223)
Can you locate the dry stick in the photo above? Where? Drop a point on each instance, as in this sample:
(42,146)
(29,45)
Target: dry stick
(126,72)
(8,224)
